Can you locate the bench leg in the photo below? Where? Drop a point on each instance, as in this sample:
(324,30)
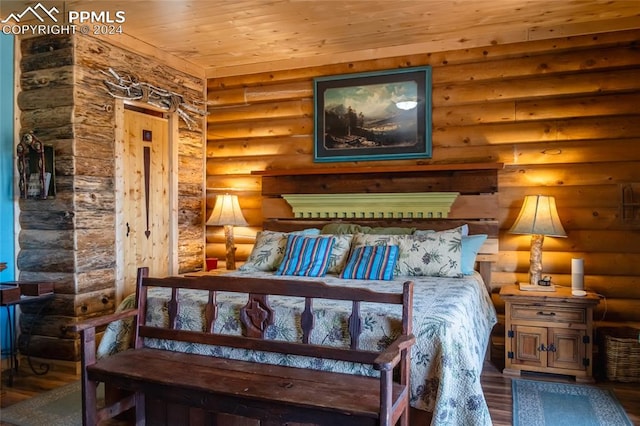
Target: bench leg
(404,418)
(140,409)
(89,387)
(89,402)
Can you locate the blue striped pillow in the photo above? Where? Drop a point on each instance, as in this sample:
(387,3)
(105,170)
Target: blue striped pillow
(371,263)
(306,256)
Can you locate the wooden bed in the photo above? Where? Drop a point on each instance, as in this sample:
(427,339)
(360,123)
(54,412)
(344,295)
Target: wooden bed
(474,203)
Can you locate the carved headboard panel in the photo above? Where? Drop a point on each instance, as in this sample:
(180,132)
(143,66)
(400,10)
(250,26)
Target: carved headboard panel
(471,187)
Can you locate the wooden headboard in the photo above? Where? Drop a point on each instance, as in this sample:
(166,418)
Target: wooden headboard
(475,188)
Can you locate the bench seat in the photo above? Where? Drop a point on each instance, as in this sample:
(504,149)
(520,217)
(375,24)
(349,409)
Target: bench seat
(216,384)
(155,380)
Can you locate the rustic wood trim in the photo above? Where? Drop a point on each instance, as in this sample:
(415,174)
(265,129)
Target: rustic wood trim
(119,189)
(380,169)
(174,162)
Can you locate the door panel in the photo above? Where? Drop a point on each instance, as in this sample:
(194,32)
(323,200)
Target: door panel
(146,195)
(569,349)
(527,346)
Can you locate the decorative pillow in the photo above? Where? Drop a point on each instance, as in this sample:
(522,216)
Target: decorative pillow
(436,254)
(354,228)
(267,252)
(308,231)
(371,263)
(464,228)
(391,230)
(343,228)
(470,246)
(339,253)
(374,240)
(306,256)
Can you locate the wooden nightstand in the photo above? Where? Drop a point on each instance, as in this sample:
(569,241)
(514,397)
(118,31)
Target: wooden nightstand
(549,332)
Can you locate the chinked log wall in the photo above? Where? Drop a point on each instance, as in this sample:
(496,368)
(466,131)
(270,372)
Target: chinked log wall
(562,115)
(70,239)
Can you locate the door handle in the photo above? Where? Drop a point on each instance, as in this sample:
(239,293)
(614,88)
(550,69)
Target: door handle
(550,348)
(128,229)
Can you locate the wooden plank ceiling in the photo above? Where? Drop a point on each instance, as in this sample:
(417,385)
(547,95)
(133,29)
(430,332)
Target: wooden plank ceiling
(230,37)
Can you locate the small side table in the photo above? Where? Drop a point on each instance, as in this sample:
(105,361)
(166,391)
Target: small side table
(549,332)
(10,305)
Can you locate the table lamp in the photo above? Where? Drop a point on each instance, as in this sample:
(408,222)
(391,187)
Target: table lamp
(538,218)
(227,213)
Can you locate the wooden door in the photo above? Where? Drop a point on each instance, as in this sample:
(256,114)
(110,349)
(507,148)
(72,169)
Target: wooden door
(146,191)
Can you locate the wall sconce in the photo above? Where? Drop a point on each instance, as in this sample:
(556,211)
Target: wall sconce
(227,213)
(538,217)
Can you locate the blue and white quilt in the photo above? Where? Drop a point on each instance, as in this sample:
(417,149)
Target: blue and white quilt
(452,321)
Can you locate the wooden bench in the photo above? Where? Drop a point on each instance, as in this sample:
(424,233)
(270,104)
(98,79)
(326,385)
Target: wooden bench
(272,394)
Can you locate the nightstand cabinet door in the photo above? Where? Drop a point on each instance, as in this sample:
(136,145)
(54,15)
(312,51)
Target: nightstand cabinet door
(568,349)
(526,345)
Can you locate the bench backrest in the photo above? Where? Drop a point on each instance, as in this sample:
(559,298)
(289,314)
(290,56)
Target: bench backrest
(257,315)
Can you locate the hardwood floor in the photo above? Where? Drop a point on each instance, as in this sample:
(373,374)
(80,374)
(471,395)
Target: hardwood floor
(497,390)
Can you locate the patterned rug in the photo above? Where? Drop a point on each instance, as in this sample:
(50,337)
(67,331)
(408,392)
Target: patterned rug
(537,403)
(58,407)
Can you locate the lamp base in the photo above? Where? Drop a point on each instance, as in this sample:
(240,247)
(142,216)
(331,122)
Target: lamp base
(536,287)
(230,260)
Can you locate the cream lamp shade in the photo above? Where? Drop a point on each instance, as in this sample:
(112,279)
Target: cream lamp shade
(226,212)
(538,218)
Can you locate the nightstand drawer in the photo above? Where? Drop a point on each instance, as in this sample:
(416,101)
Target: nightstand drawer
(548,313)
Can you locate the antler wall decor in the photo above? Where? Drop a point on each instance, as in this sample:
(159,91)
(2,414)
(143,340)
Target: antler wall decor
(129,88)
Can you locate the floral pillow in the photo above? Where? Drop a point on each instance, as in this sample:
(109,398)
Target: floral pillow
(374,240)
(267,252)
(436,254)
(339,253)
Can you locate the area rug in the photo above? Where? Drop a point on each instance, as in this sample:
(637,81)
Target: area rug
(537,403)
(58,407)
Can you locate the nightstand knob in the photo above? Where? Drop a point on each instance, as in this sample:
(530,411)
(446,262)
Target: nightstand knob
(546,314)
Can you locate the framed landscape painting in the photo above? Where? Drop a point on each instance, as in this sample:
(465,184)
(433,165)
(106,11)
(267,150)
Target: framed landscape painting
(373,116)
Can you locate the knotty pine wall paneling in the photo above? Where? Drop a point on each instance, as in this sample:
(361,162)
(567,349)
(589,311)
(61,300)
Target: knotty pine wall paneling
(562,115)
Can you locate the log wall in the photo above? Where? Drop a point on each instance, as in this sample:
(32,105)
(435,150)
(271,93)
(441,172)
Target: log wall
(562,115)
(70,238)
